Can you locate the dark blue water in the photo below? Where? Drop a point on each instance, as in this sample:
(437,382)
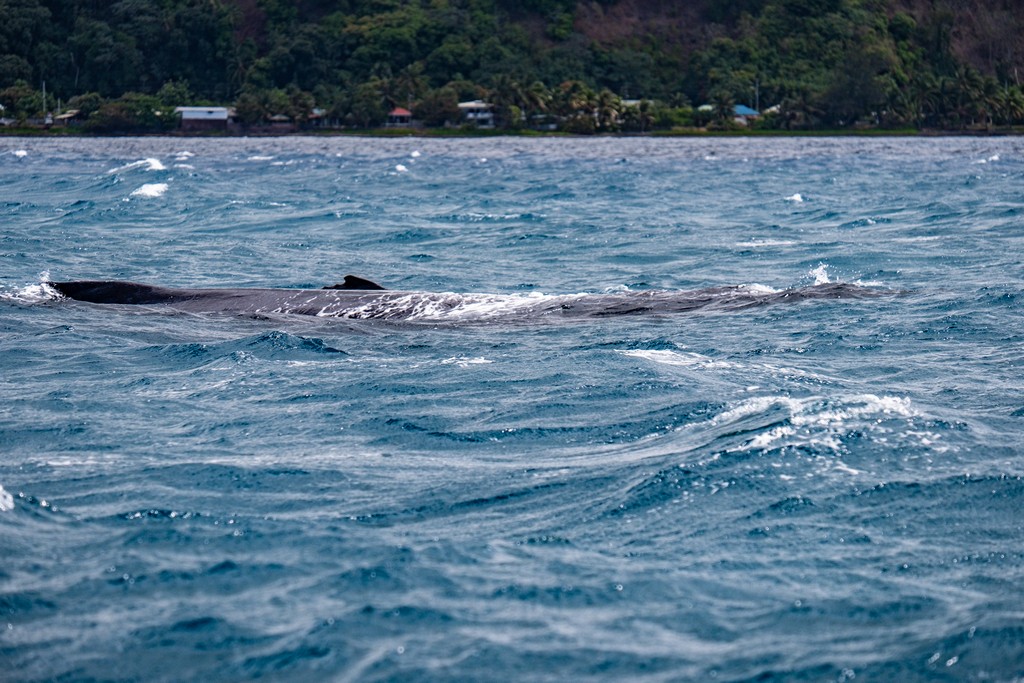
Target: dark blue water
(818,490)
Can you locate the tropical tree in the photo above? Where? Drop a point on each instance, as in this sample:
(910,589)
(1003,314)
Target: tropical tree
(408,85)
(724,106)
(174,93)
(369,104)
(608,106)
(536,99)
(300,104)
(798,112)
(439,107)
(86,104)
(575,102)
(249,109)
(132,112)
(507,95)
(1011,105)
(639,117)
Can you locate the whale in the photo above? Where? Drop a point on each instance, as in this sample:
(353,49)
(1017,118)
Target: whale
(358,298)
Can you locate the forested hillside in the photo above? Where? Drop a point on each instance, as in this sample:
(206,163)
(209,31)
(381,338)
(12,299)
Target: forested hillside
(808,63)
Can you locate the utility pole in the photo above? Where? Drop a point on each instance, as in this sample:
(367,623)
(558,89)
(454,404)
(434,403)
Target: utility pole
(47,115)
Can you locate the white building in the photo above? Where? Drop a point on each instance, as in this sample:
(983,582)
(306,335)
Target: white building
(204,118)
(478,113)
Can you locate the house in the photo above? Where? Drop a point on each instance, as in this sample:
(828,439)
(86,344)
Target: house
(744,115)
(317,118)
(281,123)
(70,117)
(204,118)
(399,118)
(478,113)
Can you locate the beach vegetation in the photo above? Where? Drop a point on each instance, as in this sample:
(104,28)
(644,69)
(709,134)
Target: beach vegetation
(584,67)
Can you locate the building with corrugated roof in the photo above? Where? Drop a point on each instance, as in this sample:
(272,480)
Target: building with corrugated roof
(204,118)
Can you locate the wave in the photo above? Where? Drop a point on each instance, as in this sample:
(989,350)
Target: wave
(819,423)
(35,293)
(6,501)
(150,164)
(271,346)
(150,190)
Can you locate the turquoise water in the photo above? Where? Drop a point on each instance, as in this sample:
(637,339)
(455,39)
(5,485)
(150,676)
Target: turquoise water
(820,490)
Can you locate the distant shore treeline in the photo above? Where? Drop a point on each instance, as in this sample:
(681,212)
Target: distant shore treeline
(596,66)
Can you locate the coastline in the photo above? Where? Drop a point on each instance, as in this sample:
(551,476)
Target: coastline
(460,133)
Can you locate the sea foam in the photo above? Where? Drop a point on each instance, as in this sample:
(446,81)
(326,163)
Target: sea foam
(150,190)
(150,164)
(6,501)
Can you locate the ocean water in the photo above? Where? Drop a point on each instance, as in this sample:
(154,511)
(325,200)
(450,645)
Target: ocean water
(806,489)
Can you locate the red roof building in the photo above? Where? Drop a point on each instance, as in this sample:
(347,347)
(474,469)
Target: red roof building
(399,117)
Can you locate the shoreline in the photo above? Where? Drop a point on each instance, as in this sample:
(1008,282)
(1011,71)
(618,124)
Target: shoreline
(442,133)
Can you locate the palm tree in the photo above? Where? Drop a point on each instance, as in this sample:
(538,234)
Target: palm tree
(724,105)
(944,101)
(573,98)
(799,112)
(537,99)
(638,117)
(969,93)
(577,102)
(507,96)
(607,110)
(409,85)
(1013,104)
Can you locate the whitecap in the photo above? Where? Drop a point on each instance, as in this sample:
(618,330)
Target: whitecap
(464,362)
(415,154)
(795,198)
(32,294)
(755,406)
(20,153)
(820,275)
(6,501)
(756,288)
(757,244)
(149,164)
(150,190)
(823,422)
(678,358)
(401,168)
(260,157)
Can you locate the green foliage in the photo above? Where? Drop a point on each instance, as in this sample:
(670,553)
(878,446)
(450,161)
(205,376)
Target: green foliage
(13,69)
(86,103)
(175,93)
(369,105)
(824,63)
(134,113)
(438,107)
(21,101)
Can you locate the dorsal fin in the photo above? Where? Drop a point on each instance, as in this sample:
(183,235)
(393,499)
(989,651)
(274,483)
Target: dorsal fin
(353,282)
